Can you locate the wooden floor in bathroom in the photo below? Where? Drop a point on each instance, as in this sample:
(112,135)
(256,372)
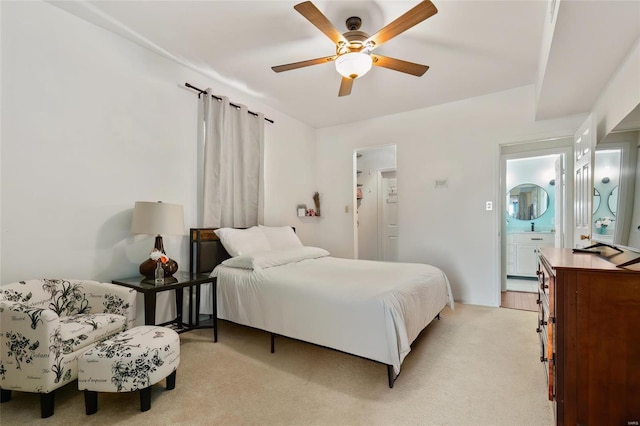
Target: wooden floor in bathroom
(520,300)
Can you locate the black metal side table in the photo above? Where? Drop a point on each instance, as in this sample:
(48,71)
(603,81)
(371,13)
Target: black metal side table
(177,282)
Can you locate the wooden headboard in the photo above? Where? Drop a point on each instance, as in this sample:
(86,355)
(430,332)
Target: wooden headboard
(205,250)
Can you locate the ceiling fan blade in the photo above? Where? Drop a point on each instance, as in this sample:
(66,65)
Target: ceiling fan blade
(417,14)
(399,65)
(301,64)
(345,86)
(313,14)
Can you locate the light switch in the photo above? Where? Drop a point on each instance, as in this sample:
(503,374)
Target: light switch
(489,205)
(346,209)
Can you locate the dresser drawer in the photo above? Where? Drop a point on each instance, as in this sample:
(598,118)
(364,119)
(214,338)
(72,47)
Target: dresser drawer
(546,324)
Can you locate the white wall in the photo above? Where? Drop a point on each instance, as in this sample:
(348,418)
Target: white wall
(634,234)
(449,227)
(548,29)
(92,123)
(621,95)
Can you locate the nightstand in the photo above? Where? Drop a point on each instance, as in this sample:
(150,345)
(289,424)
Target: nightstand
(177,282)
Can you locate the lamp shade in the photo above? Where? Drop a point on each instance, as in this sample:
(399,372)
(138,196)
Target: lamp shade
(353,64)
(157,218)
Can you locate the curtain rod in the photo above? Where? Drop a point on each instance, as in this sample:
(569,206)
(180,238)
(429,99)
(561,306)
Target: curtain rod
(219,98)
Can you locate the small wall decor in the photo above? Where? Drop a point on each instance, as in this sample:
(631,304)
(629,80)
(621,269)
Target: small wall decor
(303,211)
(316,201)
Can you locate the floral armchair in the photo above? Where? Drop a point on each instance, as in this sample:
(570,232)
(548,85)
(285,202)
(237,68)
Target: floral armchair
(45,325)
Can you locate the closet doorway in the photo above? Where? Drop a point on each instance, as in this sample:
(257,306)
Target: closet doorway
(376,204)
(536,190)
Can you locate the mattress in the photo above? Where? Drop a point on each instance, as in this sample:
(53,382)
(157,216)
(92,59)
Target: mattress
(367,308)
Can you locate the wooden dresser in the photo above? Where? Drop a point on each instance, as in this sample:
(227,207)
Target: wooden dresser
(589,328)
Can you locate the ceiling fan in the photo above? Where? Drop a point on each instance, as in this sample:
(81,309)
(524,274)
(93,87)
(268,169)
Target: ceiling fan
(353,56)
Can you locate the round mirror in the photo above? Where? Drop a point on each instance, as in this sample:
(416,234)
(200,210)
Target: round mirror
(596,200)
(527,202)
(613,200)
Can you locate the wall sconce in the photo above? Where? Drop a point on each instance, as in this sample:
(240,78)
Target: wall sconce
(605,179)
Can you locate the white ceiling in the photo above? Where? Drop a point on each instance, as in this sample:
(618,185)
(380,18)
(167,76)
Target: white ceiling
(473,47)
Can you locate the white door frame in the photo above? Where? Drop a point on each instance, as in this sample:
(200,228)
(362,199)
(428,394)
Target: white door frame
(356,151)
(530,149)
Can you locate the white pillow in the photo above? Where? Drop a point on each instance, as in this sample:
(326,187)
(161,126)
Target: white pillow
(281,237)
(239,242)
(273,258)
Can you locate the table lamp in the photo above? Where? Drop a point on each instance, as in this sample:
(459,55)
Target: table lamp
(157,218)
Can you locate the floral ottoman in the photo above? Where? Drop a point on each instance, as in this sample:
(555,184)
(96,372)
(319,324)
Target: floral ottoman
(133,360)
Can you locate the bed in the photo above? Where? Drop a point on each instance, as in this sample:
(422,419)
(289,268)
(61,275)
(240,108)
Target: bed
(370,309)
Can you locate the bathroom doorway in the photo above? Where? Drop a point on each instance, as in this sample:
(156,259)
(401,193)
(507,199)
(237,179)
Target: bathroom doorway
(376,204)
(533,214)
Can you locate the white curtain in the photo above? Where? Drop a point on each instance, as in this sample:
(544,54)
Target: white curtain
(232,169)
(233,181)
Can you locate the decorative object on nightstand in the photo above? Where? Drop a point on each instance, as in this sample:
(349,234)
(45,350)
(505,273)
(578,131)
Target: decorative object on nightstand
(157,218)
(316,201)
(160,259)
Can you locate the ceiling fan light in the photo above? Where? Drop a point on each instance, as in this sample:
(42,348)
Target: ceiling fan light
(353,64)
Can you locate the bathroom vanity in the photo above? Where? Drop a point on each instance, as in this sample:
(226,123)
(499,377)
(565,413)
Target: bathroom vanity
(522,252)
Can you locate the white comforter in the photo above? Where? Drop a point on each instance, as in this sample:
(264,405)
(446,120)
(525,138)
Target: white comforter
(366,308)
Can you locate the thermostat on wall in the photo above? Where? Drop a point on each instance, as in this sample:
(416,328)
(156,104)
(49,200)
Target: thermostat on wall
(441,183)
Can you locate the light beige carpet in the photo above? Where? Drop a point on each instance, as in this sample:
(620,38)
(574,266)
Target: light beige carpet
(476,366)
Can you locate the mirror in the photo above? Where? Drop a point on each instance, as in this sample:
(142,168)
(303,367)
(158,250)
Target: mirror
(606,177)
(613,201)
(527,202)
